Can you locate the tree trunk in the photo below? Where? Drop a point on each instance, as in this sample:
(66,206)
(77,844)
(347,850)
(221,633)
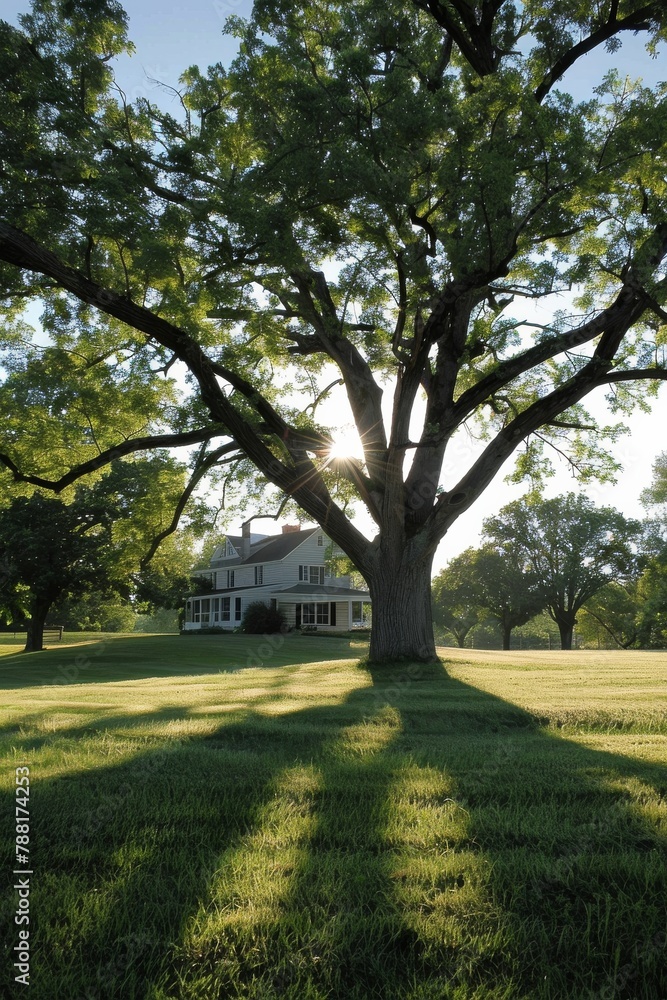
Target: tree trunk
(566,625)
(402,626)
(35,638)
(507,633)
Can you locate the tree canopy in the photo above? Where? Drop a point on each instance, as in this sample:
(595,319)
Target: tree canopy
(372,195)
(572,547)
(48,549)
(509,587)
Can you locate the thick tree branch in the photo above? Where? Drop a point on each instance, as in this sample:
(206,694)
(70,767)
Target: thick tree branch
(637,375)
(472,39)
(612,322)
(638,20)
(303,481)
(147,443)
(543,411)
(201,468)
(364,394)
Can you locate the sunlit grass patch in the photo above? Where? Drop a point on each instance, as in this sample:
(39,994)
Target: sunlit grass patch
(315,831)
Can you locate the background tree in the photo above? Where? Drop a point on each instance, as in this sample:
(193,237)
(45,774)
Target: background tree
(508,587)
(99,547)
(50,549)
(457,596)
(95,611)
(369,196)
(610,617)
(652,586)
(574,546)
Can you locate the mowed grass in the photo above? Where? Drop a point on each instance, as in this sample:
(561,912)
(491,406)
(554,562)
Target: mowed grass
(205,827)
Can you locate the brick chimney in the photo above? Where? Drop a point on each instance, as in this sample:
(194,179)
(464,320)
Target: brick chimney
(245,539)
(289,528)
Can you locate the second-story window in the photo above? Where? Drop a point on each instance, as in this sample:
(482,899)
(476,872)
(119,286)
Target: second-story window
(230,577)
(312,574)
(259,575)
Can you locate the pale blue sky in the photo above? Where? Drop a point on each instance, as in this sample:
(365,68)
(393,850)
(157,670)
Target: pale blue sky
(170,36)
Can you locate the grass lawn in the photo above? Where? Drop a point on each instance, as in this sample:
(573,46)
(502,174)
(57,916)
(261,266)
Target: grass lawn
(221,817)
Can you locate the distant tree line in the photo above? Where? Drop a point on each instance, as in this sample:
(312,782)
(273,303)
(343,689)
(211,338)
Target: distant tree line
(548,566)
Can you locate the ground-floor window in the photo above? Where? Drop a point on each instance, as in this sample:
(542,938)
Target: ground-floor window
(201,610)
(360,613)
(237,609)
(211,610)
(317,614)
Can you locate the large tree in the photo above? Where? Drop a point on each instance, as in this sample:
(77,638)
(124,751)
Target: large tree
(573,546)
(373,195)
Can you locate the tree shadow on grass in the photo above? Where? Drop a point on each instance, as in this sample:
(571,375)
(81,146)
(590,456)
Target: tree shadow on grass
(422,839)
(142,657)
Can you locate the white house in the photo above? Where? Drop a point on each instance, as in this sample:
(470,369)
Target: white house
(286,571)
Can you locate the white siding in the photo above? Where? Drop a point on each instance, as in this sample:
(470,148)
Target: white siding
(342,615)
(275,573)
(309,553)
(289,611)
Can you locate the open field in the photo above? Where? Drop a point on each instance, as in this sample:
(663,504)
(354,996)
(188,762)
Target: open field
(205,827)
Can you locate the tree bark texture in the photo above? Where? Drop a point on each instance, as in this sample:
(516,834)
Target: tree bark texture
(402,618)
(35,637)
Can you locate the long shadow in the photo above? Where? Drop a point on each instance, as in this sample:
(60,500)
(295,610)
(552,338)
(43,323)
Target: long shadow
(139,657)
(127,895)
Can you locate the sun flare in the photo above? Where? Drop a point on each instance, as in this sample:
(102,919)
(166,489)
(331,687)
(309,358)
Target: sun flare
(345,444)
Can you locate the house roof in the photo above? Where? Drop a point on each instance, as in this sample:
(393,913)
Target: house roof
(294,591)
(270,549)
(317,590)
(279,546)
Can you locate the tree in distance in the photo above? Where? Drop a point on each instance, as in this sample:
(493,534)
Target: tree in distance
(509,589)
(573,546)
(612,614)
(101,542)
(457,596)
(371,197)
(48,549)
(652,585)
